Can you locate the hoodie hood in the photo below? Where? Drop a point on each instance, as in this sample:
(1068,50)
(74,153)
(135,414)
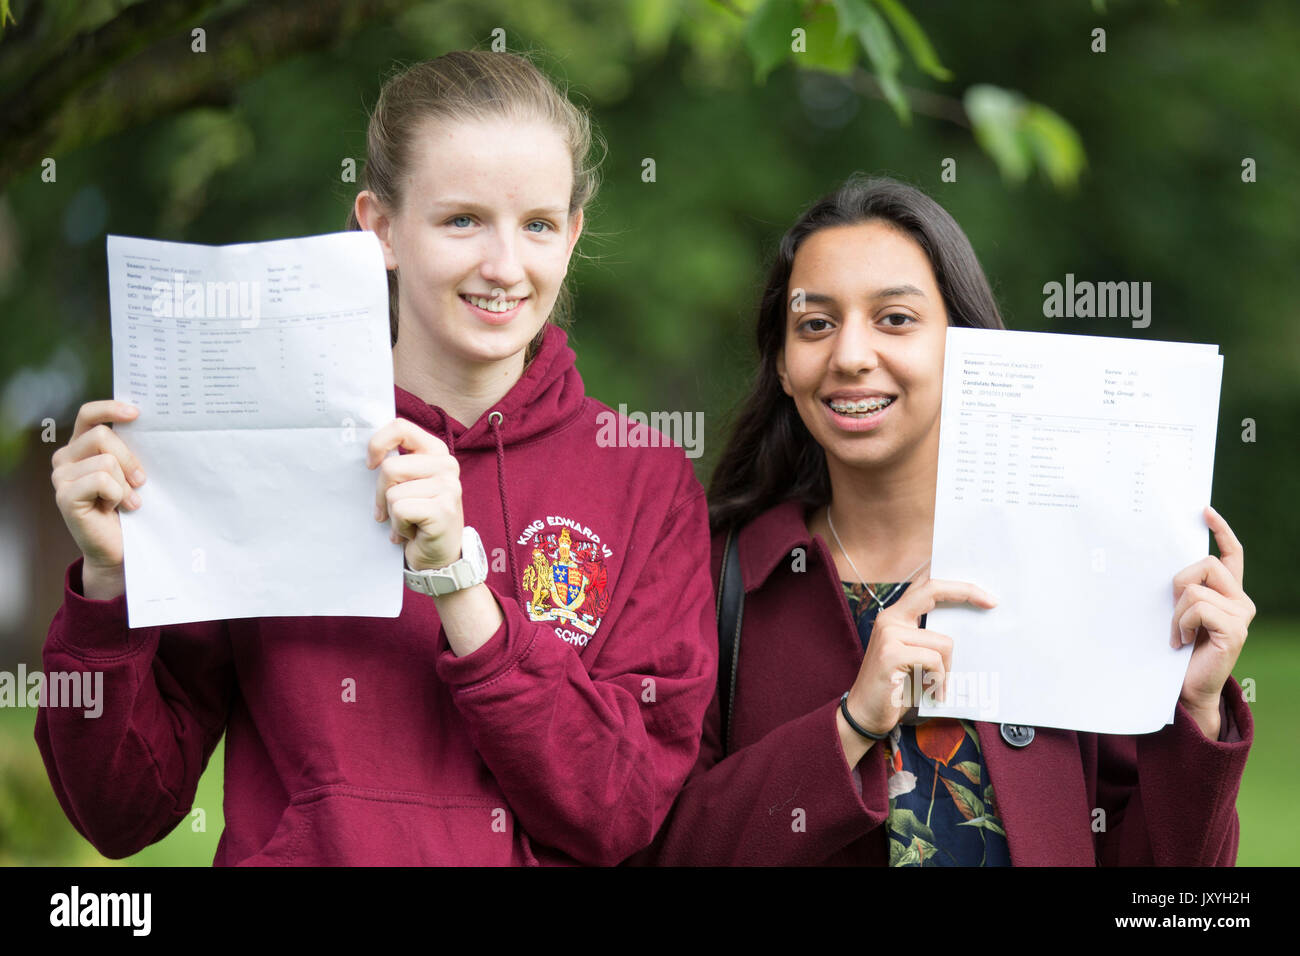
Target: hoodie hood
(547,396)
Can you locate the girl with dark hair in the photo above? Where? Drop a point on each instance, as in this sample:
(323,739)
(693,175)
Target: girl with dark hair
(812,750)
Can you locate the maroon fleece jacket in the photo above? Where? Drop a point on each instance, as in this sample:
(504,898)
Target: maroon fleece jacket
(1169,798)
(360,740)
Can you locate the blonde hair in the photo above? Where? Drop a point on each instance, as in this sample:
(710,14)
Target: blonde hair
(471,85)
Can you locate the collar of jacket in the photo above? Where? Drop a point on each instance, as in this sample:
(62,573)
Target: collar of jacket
(548,396)
(768,540)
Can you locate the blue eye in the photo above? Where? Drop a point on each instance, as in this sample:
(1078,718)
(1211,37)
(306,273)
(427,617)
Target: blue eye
(457,220)
(538,222)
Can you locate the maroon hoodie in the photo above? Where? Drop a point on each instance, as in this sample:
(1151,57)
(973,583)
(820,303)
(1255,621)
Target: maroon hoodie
(361,740)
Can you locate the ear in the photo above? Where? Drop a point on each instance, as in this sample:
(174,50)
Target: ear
(782,374)
(373,217)
(578,221)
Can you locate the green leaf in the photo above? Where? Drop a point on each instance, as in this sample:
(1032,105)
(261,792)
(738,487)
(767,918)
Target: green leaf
(918,44)
(905,822)
(962,795)
(768,34)
(931,851)
(984,823)
(873,32)
(1019,134)
(897,851)
(852,14)
(829,47)
(895,96)
(879,42)
(995,116)
(910,856)
(1055,144)
(970,769)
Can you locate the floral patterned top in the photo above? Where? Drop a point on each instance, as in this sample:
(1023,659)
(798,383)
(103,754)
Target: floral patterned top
(955,826)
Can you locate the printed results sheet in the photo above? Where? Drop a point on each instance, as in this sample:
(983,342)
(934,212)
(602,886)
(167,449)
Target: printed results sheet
(1073,471)
(261,371)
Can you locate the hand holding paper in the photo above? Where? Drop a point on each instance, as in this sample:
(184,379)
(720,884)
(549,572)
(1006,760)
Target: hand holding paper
(421,491)
(1213,611)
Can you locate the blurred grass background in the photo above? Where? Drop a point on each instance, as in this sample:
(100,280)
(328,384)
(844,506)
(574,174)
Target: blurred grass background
(34,831)
(245,142)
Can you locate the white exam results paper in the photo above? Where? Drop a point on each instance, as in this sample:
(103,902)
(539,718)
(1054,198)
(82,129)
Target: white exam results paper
(1073,471)
(261,370)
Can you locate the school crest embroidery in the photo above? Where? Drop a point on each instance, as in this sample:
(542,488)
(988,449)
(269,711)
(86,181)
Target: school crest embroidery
(566,580)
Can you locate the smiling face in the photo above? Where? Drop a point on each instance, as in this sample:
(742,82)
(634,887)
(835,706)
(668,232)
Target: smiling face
(863,360)
(482,240)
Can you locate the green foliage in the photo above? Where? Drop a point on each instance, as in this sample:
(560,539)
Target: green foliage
(829,48)
(768,34)
(858,16)
(1018,134)
(918,44)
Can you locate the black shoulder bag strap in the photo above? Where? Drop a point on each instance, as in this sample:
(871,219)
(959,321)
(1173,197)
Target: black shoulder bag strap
(731,609)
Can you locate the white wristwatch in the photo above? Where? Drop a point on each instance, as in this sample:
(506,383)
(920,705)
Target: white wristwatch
(470,569)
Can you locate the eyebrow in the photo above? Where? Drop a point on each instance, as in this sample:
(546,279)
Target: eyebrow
(479,207)
(891,292)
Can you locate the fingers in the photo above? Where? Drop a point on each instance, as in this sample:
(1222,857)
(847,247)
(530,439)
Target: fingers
(399,470)
(924,597)
(95,413)
(902,662)
(1243,609)
(1231,552)
(1227,627)
(1212,572)
(104,463)
(400,433)
(87,488)
(100,439)
(916,637)
(933,668)
(419,512)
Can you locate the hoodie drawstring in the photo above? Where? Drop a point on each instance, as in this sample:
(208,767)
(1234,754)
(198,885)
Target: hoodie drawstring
(495,419)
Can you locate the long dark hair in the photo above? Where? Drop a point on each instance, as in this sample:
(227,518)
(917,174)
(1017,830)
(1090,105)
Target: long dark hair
(771,456)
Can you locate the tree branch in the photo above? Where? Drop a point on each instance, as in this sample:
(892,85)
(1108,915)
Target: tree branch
(921,101)
(118,91)
(43,77)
